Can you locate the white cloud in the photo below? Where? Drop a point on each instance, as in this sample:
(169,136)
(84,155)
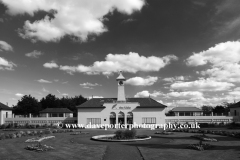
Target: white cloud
(44,90)
(182,103)
(89,85)
(95,97)
(139,81)
(77,18)
(131,62)
(43,81)
(176,78)
(222,52)
(202,85)
(146,93)
(64,94)
(51,64)
(5,46)
(160,101)
(34,54)
(65,82)
(184,95)
(19,94)
(223,59)
(6,65)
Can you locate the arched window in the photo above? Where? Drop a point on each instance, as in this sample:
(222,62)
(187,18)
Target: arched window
(112,115)
(120,115)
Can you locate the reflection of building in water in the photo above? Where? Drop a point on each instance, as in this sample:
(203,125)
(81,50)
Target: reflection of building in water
(121,109)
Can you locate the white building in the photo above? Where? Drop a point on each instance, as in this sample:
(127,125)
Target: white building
(235,109)
(5,112)
(121,109)
(187,111)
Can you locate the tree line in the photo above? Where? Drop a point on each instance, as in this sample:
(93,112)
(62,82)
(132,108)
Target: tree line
(28,104)
(208,110)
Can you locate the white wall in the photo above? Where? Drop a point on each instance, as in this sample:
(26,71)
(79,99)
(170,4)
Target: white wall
(232,111)
(3,115)
(104,113)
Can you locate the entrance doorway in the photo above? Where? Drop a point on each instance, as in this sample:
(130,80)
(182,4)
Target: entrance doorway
(121,118)
(113,118)
(129,118)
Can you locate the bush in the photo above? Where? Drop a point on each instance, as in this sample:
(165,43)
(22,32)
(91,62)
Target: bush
(40,132)
(119,134)
(3,126)
(29,132)
(7,136)
(19,135)
(2,136)
(54,131)
(12,135)
(35,132)
(23,133)
(129,134)
(47,131)
(125,134)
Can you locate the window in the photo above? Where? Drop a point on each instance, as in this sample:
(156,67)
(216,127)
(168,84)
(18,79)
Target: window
(235,113)
(54,115)
(60,114)
(181,113)
(6,114)
(94,120)
(149,120)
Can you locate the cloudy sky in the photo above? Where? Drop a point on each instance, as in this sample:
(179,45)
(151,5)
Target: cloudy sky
(181,53)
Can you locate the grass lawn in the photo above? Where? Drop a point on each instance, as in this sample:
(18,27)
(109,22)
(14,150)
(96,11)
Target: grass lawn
(226,148)
(164,147)
(63,149)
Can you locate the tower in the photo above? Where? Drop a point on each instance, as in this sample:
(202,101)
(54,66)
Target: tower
(121,93)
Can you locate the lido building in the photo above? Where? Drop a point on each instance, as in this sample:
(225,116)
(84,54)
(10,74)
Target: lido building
(121,110)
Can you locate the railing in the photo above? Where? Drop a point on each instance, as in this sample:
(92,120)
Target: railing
(202,119)
(40,120)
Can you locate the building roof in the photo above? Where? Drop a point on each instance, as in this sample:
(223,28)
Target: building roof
(120,77)
(4,107)
(186,109)
(144,102)
(236,105)
(56,110)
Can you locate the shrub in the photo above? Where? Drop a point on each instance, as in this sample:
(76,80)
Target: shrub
(119,134)
(40,132)
(23,133)
(48,131)
(35,132)
(129,133)
(19,135)
(33,126)
(7,136)
(3,126)
(2,136)
(28,132)
(12,135)
(125,134)
(54,131)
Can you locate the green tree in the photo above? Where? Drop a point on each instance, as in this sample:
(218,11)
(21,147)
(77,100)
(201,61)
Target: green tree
(26,105)
(50,101)
(207,109)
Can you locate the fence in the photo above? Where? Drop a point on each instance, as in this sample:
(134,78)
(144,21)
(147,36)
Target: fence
(40,120)
(202,119)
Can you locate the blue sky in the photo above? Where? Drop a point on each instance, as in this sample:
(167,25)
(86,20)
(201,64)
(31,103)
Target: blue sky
(181,53)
